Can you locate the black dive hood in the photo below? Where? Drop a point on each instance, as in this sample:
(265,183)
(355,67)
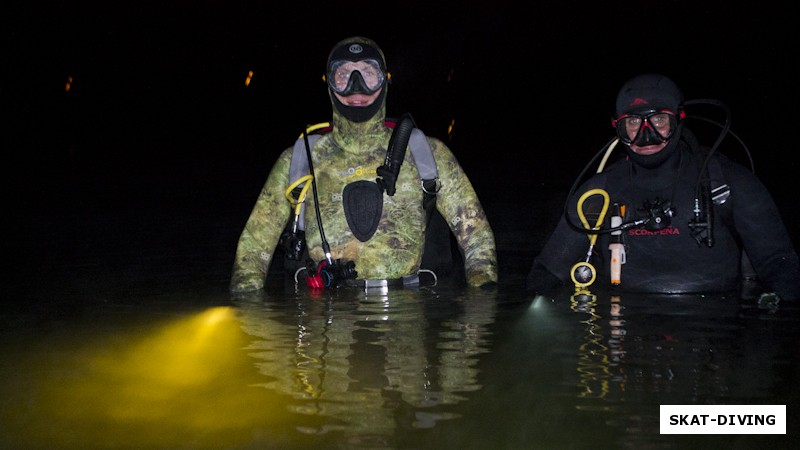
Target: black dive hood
(358,113)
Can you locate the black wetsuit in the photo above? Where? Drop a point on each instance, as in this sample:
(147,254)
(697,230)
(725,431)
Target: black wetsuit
(670,260)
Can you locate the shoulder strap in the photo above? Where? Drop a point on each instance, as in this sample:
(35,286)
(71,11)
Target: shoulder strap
(426,165)
(299,165)
(423,155)
(720,191)
(713,194)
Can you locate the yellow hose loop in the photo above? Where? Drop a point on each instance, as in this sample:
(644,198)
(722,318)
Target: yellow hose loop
(600,218)
(313,128)
(298,202)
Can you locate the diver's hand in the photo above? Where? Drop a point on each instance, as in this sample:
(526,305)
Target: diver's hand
(480,279)
(244,281)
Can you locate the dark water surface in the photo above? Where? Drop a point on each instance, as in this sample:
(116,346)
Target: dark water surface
(129,339)
(443,367)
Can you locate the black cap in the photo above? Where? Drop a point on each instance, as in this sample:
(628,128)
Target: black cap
(356,48)
(650,91)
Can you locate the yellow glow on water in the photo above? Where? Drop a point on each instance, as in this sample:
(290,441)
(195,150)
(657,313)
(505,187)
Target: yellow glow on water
(249,77)
(164,366)
(183,383)
(68,84)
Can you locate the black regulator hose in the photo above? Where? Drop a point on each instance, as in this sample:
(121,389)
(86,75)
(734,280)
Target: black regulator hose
(395,154)
(725,130)
(325,246)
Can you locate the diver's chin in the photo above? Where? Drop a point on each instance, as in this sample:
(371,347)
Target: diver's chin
(648,149)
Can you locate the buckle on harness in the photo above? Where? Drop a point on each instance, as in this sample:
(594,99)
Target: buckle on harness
(431,187)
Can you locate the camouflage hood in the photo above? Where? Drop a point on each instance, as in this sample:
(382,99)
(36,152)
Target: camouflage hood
(359,136)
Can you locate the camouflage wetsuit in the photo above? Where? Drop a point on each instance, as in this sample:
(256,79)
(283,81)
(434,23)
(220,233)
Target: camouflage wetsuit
(352,152)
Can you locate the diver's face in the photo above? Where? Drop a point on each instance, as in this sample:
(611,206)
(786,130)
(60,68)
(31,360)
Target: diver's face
(358,99)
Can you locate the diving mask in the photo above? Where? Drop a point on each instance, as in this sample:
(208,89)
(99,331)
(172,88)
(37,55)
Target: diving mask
(355,77)
(652,127)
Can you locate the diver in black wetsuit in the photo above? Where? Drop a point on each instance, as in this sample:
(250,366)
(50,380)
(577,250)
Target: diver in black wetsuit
(686,223)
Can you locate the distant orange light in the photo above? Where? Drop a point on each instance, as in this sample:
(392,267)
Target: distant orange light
(249,77)
(69,84)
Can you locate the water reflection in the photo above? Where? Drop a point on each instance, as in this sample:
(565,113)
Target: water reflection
(638,352)
(594,363)
(443,368)
(368,364)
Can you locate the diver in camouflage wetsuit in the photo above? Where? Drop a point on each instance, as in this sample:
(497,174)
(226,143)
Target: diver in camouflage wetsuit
(352,153)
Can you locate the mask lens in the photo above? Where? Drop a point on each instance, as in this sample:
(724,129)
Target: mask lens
(340,77)
(628,127)
(662,123)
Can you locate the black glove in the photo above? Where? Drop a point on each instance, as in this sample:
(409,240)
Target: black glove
(387,179)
